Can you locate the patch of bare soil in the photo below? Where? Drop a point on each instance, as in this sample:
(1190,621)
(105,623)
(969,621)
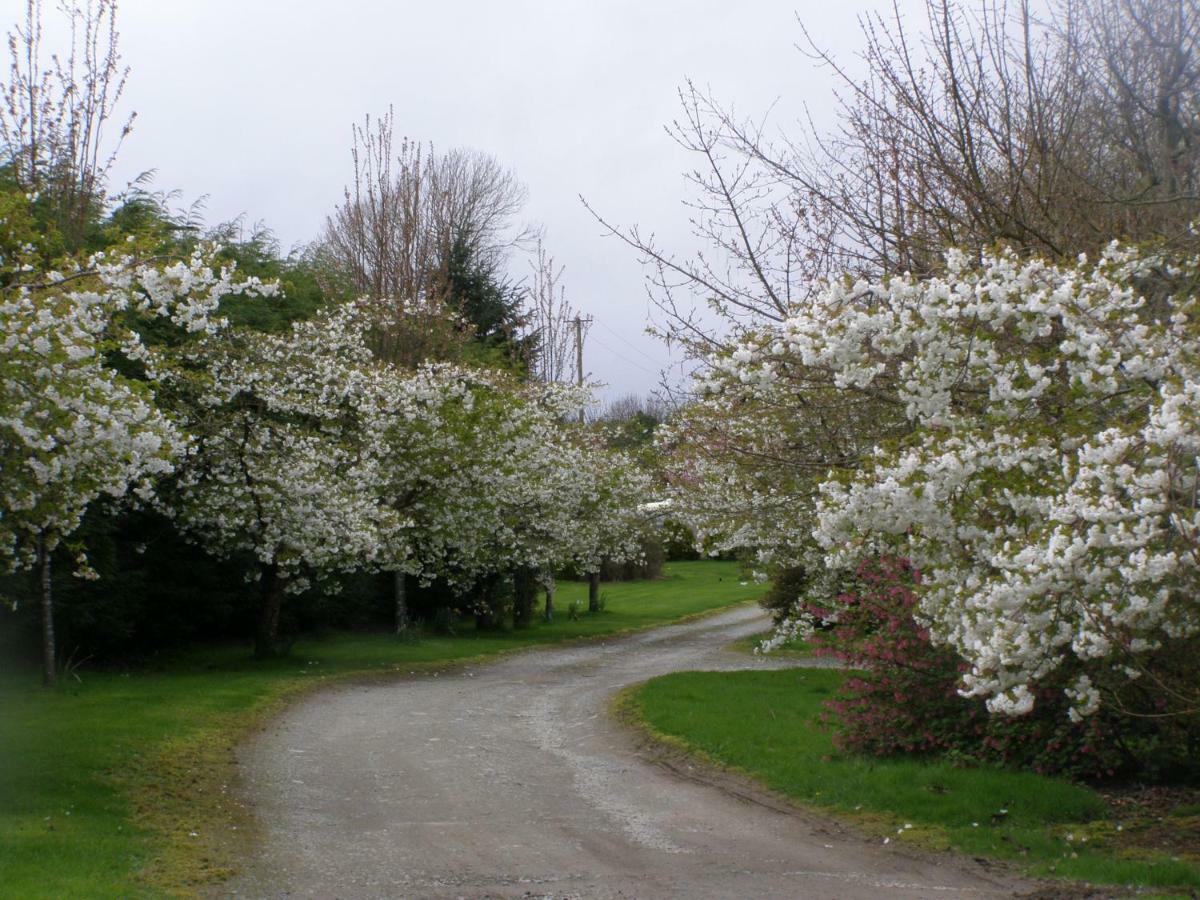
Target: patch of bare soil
(1158,818)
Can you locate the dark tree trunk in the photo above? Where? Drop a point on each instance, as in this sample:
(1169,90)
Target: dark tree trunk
(400,592)
(266,639)
(49,654)
(593,592)
(550,586)
(524,595)
(485,612)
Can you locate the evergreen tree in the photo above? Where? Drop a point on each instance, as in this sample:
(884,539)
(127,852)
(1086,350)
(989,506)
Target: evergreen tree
(489,303)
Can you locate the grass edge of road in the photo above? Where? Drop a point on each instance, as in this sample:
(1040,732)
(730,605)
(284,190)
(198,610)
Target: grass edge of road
(152,765)
(710,720)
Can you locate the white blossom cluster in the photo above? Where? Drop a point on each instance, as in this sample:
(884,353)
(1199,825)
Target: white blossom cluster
(72,428)
(301,449)
(310,454)
(1026,434)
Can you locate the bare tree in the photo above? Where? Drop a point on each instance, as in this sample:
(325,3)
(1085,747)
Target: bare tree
(54,112)
(1050,136)
(375,240)
(551,320)
(475,201)
(407,212)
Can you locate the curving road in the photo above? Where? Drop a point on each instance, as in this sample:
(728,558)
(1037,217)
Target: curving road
(509,780)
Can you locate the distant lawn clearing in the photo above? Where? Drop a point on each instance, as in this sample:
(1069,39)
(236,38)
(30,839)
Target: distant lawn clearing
(764,724)
(121,785)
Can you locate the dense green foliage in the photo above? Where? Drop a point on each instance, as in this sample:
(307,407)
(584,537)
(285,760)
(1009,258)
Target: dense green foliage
(301,293)
(490,304)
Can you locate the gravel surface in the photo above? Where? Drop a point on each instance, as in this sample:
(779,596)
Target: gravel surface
(510,780)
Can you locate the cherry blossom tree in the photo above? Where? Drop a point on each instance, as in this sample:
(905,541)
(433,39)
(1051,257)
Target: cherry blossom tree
(314,455)
(489,478)
(75,427)
(432,426)
(280,465)
(1030,443)
(565,498)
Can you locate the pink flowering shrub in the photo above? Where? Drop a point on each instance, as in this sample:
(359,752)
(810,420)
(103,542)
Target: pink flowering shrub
(902,697)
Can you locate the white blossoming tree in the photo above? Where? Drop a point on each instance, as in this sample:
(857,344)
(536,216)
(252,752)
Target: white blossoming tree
(74,428)
(1031,440)
(490,478)
(280,465)
(563,498)
(315,456)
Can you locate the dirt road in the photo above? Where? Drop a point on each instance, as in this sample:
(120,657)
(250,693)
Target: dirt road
(509,780)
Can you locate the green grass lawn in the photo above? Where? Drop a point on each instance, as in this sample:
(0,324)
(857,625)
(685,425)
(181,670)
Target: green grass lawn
(793,649)
(120,785)
(764,723)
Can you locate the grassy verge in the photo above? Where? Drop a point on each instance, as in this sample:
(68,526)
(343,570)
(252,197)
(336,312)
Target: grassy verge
(765,725)
(121,785)
(795,649)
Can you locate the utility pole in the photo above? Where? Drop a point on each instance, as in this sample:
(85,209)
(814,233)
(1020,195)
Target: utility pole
(579,321)
(593,577)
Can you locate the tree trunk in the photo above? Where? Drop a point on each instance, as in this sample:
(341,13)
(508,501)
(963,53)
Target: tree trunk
(400,592)
(266,639)
(550,587)
(593,592)
(49,654)
(485,610)
(524,593)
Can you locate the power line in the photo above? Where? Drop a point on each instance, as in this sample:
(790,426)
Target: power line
(623,357)
(628,344)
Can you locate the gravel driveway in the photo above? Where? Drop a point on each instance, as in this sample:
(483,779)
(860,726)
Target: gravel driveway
(510,780)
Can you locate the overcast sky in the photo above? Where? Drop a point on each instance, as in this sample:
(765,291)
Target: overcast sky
(251,102)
